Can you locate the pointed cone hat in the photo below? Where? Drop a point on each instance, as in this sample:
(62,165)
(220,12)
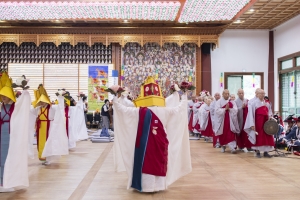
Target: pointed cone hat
(4,78)
(7,90)
(41,96)
(68,102)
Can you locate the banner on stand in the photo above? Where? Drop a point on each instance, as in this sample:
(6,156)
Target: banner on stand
(98,82)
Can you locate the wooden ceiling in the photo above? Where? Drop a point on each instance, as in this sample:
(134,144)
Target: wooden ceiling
(267,14)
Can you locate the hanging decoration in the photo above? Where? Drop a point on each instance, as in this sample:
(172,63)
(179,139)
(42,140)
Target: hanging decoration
(210,10)
(122,72)
(292,81)
(253,80)
(221,80)
(166,11)
(190,76)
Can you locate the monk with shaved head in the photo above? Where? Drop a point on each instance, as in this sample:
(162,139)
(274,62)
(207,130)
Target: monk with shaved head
(242,106)
(226,125)
(258,114)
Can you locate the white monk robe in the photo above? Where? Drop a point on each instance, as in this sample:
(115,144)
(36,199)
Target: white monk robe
(57,142)
(212,111)
(220,128)
(205,121)
(196,125)
(79,122)
(16,164)
(258,114)
(126,125)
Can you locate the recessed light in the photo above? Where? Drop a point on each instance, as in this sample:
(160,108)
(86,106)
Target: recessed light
(2,21)
(125,20)
(251,10)
(238,21)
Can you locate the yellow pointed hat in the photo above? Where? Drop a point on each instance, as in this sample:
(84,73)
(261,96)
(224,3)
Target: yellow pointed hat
(68,102)
(41,96)
(7,90)
(4,78)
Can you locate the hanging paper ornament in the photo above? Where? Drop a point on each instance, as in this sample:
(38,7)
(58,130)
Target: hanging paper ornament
(89,10)
(210,10)
(190,77)
(221,80)
(253,80)
(292,81)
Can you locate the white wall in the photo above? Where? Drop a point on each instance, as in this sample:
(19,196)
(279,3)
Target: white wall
(286,41)
(240,50)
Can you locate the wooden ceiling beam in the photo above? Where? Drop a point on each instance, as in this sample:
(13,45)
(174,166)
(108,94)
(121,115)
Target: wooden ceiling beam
(272,10)
(182,2)
(245,9)
(265,6)
(296,12)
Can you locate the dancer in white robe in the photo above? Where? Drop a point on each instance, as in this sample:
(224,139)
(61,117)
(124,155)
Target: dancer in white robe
(126,123)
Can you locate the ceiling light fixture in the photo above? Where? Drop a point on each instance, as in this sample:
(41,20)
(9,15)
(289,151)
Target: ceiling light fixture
(238,21)
(210,10)
(251,10)
(125,20)
(166,11)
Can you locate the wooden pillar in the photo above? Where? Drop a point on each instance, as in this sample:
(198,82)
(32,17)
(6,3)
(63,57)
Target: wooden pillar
(116,58)
(206,67)
(198,70)
(271,83)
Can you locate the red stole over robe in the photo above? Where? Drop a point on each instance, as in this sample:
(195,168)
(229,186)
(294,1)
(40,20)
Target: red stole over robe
(242,138)
(197,125)
(151,148)
(191,120)
(208,132)
(262,139)
(227,136)
(67,119)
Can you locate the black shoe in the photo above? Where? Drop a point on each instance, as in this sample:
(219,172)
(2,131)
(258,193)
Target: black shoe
(258,155)
(266,155)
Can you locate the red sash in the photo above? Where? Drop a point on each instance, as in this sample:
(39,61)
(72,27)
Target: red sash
(67,119)
(39,121)
(9,113)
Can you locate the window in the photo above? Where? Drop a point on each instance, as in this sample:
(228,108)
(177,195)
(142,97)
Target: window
(235,81)
(289,84)
(290,88)
(298,61)
(287,64)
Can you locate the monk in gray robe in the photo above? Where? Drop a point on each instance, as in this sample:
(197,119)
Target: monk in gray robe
(226,125)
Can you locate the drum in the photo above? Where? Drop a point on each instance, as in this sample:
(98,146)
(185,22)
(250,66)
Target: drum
(271,127)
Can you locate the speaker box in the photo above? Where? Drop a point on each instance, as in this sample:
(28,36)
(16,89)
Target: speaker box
(205,48)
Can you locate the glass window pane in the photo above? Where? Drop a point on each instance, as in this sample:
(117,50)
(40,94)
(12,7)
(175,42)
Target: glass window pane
(291,92)
(287,64)
(249,90)
(297,84)
(234,83)
(284,89)
(298,61)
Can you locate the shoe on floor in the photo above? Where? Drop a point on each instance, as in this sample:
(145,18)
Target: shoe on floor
(266,155)
(258,155)
(233,151)
(223,149)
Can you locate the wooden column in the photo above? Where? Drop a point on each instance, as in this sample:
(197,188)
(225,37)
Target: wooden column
(116,58)
(198,71)
(206,67)
(271,83)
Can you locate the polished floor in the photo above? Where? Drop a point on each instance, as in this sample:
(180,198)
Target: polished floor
(88,173)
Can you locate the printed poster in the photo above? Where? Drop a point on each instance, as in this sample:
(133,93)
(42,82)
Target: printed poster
(98,82)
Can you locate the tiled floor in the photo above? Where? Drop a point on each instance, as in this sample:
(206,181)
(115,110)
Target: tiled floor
(88,173)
